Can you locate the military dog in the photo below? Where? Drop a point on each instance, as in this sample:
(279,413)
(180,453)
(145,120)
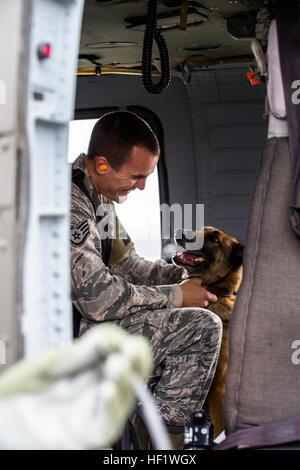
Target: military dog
(216,258)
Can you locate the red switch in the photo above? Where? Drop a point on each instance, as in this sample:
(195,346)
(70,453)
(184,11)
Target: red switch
(44,51)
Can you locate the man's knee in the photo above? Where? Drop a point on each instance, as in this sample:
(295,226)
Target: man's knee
(193,330)
(213,320)
(203,318)
(206,330)
(213,328)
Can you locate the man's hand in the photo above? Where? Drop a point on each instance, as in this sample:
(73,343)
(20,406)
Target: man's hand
(194,295)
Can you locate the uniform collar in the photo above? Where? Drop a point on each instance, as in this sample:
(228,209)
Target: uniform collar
(79,164)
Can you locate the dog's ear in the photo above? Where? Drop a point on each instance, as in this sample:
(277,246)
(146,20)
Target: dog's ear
(236,255)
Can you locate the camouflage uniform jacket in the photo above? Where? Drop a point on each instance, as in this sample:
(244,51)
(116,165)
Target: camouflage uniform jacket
(128,284)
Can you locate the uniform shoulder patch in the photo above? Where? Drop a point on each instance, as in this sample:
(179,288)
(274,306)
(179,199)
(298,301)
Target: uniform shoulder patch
(80,233)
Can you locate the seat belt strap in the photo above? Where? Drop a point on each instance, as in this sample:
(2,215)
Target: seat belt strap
(266,435)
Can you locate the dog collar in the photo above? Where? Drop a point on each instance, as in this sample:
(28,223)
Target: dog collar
(219,291)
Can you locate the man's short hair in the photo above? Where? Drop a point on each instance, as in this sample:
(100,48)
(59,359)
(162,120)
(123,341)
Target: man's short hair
(115,135)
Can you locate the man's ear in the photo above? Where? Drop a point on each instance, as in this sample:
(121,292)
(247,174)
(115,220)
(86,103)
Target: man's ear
(101,165)
(236,255)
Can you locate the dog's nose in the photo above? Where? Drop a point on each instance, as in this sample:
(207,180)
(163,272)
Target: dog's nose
(184,235)
(189,239)
(188,235)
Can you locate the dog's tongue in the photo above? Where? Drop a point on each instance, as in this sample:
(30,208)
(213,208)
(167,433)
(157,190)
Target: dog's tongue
(190,258)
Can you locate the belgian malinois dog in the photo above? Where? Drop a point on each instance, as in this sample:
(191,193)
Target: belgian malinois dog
(216,258)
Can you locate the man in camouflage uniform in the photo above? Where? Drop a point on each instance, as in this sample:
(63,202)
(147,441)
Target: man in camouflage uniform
(111,283)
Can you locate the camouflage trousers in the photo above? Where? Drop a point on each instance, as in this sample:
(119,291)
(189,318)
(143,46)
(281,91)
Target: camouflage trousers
(185,344)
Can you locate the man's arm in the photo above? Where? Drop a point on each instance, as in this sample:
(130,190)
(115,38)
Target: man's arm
(97,293)
(126,263)
(140,271)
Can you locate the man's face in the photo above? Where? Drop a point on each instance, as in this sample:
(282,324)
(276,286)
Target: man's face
(117,184)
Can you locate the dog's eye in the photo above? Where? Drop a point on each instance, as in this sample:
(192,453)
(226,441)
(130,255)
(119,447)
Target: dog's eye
(215,237)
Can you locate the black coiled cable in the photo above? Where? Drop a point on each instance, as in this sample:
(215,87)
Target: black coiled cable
(150,34)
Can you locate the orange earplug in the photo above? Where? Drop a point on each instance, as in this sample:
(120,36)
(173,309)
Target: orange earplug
(102,166)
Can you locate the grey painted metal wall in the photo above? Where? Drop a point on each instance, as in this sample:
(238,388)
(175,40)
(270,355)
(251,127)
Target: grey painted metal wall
(228,132)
